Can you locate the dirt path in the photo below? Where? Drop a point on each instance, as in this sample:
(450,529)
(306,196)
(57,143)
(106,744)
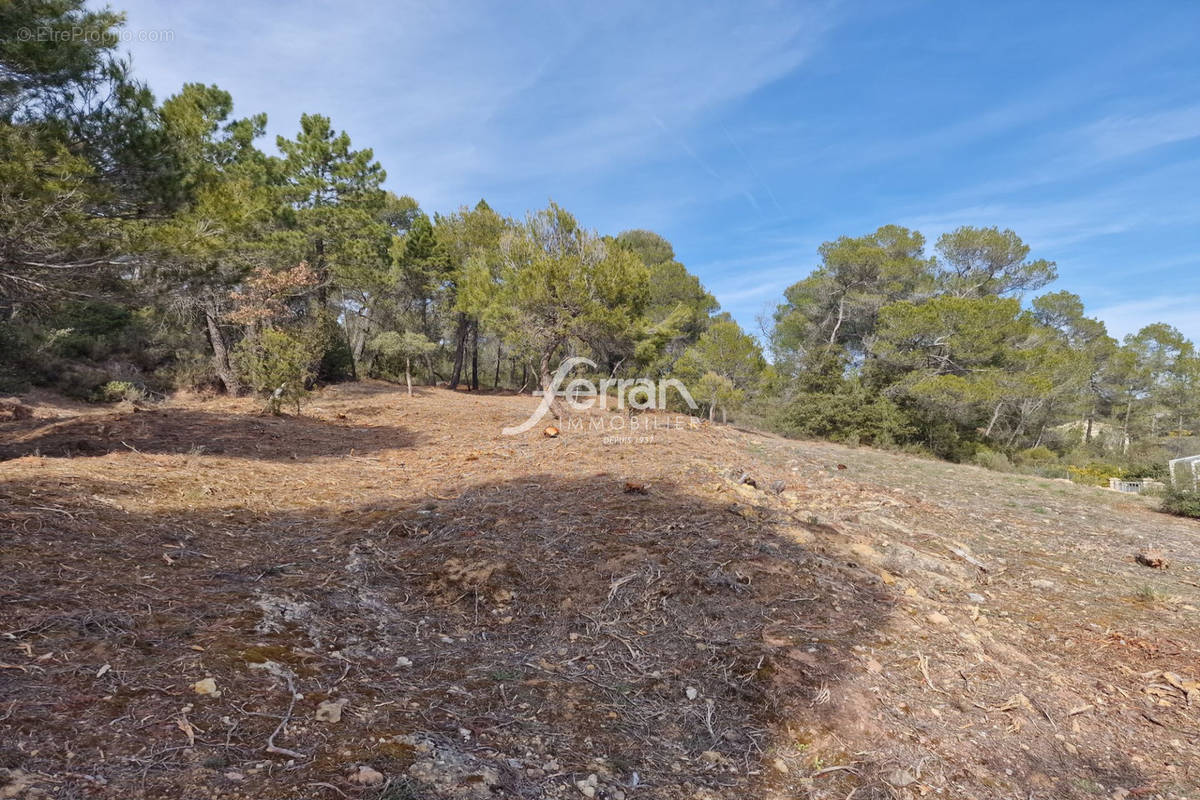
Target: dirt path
(392,600)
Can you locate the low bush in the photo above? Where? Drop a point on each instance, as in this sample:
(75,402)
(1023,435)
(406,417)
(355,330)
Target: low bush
(1035,456)
(852,417)
(990,459)
(1152,471)
(116,391)
(278,366)
(1094,474)
(1182,502)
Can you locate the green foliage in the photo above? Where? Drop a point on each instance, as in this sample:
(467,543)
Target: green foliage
(278,365)
(852,416)
(990,459)
(1156,471)
(557,283)
(1094,474)
(117,391)
(394,352)
(1182,502)
(978,262)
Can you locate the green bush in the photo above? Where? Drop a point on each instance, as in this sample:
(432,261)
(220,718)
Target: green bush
(1035,456)
(1095,473)
(277,365)
(1153,471)
(116,391)
(990,459)
(851,416)
(1182,502)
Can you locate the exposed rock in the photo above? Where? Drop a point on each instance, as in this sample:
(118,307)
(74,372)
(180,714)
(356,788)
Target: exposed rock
(366,776)
(1153,559)
(330,710)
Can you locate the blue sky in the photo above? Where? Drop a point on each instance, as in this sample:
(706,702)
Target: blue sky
(748,133)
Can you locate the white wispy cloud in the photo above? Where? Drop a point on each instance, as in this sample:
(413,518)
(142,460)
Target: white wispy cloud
(477,97)
(1179,310)
(1118,136)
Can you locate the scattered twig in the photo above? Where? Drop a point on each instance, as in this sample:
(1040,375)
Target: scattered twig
(287,717)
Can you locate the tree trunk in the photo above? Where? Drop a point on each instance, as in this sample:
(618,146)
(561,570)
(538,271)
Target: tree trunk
(991,424)
(496,380)
(475,356)
(1125,427)
(712,412)
(322,275)
(460,346)
(724,416)
(408,374)
(547,381)
(220,353)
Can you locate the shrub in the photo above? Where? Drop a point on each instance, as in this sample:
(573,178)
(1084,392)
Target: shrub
(1035,456)
(1094,474)
(990,459)
(1153,471)
(850,416)
(278,365)
(116,391)
(1182,502)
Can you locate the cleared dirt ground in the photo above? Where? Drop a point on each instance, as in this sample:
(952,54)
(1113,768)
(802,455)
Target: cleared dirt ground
(385,598)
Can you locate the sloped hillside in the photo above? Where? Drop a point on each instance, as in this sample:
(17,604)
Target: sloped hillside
(385,598)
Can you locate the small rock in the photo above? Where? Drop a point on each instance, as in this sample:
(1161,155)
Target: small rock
(749,480)
(691,692)
(900,778)
(236,777)
(401,661)
(1042,583)
(587,787)
(1153,559)
(330,710)
(780,766)
(1120,793)
(777,487)
(551,432)
(206,686)
(937,618)
(976,598)
(365,776)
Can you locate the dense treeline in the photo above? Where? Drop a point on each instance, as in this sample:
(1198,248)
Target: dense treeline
(147,247)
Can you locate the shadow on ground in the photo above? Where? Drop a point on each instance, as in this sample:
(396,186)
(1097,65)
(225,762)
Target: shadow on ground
(188,431)
(528,638)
